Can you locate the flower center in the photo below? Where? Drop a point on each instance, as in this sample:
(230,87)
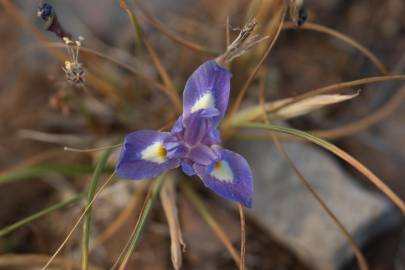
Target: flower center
(155,153)
(222,171)
(207,101)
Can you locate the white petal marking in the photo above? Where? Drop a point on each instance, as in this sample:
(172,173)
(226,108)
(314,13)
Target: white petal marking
(223,172)
(206,101)
(154,153)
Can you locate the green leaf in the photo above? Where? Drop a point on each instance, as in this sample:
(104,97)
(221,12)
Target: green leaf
(90,195)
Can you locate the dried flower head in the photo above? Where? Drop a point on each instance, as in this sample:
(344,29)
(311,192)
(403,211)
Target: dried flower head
(48,14)
(243,42)
(74,70)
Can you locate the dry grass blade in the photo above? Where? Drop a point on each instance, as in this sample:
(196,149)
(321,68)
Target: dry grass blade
(28,261)
(227,32)
(173,94)
(294,110)
(338,152)
(323,29)
(339,86)
(279,18)
(308,105)
(164,75)
(168,200)
(206,215)
(364,123)
(78,222)
(171,35)
(242,237)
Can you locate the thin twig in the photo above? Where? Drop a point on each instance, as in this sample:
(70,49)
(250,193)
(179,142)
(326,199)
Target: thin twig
(242,238)
(323,29)
(171,35)
(77,222)
(280,17)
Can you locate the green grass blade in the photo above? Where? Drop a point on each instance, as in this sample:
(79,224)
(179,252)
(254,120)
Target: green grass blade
(46,169)
(39,214)
(338,152)
(142,221)
(90,195)
(135,25)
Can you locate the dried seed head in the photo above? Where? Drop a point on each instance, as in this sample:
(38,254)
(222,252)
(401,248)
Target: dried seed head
(75,73)
(74,70)
(243,42)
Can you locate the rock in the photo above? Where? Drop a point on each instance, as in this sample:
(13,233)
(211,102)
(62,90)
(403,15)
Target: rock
(289,212)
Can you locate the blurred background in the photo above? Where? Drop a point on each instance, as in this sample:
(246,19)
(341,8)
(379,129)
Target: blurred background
(40,113)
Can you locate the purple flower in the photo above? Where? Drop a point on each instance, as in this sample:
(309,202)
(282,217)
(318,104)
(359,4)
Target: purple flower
(193,142)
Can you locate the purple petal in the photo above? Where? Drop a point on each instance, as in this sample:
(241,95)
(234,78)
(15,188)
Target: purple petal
(231,178)
(144,155)
(178,126)
(203,155)
(207,88)
(195,128)
(187,168)
(213,136)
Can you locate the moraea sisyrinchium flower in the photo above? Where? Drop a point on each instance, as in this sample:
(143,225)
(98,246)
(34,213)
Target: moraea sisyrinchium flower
(193,142)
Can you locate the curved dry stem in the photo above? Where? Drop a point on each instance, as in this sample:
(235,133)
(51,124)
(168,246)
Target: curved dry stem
(338,152)
(326,30)
(171,35)
(238,101)
(78,222)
